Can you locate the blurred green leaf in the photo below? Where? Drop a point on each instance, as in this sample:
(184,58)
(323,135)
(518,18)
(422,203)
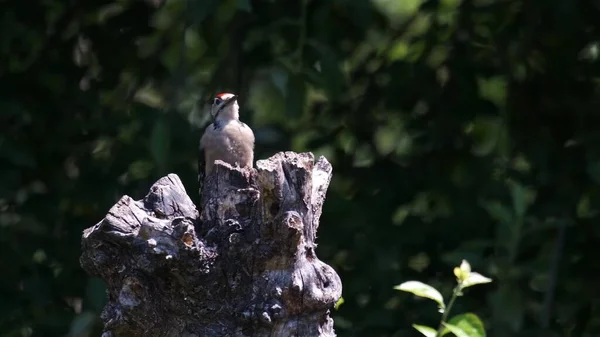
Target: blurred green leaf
(485,132)
(195,46)
(109,11)
(590,52)
(150,97)
(493,89)
(519,199)
(399,51)
(400,214)
(397,11)
(140,169)
(386,138)
(584,209)
(499,212)
(363,156)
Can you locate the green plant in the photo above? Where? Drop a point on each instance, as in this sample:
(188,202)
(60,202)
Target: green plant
(463,325)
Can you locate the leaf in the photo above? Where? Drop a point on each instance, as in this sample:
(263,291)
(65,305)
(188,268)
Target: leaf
(519,197)
(584,209)
(423,290)
(397,11)
(109,11)
(475,278)
(462,273)
(465,266)
(386,138)
(363,156)
(150,97)
(195,45)
(485,132)
(338,303)
(456,330)
(140,169)
(499,212)
(400,214)
(398,51)
(468,323)
(425,330)
(493,89)
(295,96)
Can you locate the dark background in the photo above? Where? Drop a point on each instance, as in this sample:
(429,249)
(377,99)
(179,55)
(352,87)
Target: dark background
(456,129)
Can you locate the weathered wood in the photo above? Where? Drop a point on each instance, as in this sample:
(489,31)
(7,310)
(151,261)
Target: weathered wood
(245,266)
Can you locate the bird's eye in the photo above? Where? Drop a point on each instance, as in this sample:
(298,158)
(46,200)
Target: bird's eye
(217,100)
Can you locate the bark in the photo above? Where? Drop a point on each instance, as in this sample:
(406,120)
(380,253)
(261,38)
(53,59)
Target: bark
(245,266)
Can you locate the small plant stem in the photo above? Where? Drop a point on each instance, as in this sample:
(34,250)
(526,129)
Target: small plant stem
(446,313)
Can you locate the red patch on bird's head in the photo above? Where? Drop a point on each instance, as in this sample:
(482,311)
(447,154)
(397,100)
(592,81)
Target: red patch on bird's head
(223,94)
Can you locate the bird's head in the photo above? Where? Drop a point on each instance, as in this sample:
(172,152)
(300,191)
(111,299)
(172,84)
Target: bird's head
(225,107)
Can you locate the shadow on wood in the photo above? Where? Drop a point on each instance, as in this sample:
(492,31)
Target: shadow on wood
(245,266)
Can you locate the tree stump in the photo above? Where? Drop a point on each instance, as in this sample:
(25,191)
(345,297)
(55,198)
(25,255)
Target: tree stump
(245,266)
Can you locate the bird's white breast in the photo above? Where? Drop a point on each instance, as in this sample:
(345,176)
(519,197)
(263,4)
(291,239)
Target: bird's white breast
(231,141)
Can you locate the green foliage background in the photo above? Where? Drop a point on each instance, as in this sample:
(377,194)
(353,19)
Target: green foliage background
(456,129)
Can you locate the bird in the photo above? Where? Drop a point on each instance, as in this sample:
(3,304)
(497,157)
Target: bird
(226,138)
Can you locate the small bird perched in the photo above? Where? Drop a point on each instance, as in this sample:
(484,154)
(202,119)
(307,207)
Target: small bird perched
(227,138)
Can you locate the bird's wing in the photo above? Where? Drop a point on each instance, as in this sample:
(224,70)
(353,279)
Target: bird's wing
(249,134)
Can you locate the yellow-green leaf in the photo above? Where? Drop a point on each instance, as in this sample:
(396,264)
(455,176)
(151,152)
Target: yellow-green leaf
(458,332)
(475,278)
(338,303)
(468,323)
(422,290)
(425,330)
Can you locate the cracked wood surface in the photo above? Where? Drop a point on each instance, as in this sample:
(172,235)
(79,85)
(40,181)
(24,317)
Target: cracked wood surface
(245,265)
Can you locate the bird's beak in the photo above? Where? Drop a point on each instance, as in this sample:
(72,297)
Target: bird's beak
(230,100)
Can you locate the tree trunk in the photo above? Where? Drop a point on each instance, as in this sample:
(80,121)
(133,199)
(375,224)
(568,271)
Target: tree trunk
(245,266)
